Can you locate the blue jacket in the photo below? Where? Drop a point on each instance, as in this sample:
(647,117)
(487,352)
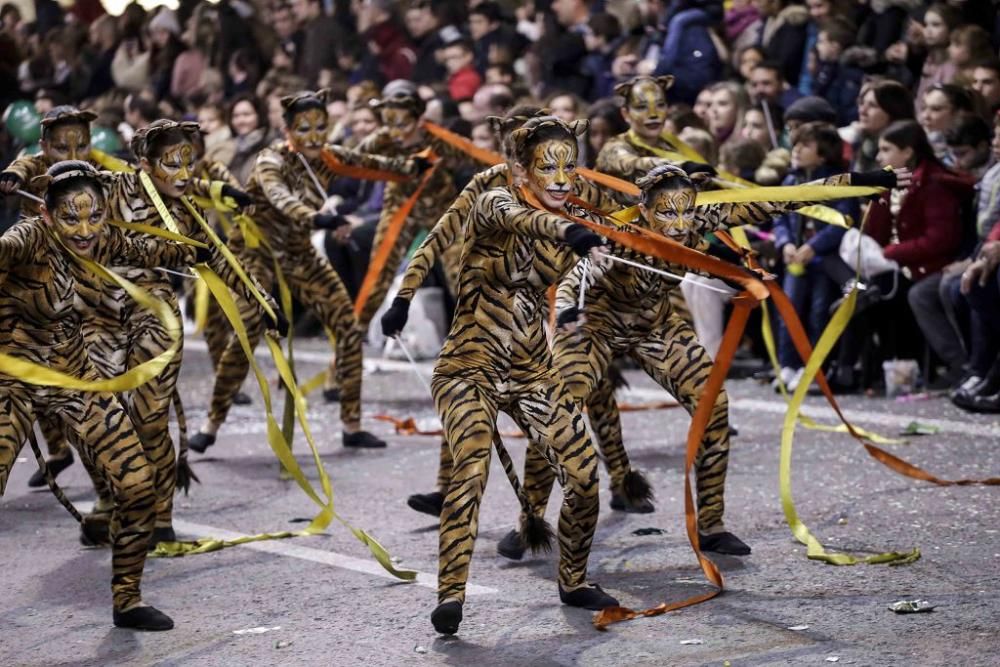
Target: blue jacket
(689,54)
(788,228)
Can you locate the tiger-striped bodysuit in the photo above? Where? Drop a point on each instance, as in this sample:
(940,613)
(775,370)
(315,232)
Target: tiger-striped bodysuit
(496,357)
(286,200)
(39,322)
(149,405)
(436,196)
(626,312)
(448,235)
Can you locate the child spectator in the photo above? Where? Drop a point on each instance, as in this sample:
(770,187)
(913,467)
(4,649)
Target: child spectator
(942,104)
(463,79)
(968,44)
(840,70)
(816,153)
(601,38)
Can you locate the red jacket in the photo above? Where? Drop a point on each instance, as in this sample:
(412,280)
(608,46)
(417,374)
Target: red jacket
(392,46)
(929,221)
(464,83)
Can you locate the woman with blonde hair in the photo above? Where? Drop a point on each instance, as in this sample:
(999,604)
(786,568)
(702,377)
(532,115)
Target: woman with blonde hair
(725,113)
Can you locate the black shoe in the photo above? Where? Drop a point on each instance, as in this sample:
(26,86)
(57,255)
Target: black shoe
(868,296)
(723,543)
(95,529)
(511,546)
(446,617)
(639,506)
(161,534)
(362,440)
(428,503)
(983,404)
(199,442)
(55,466)
(242,398)
(143,618)
(331,395)
(589,597)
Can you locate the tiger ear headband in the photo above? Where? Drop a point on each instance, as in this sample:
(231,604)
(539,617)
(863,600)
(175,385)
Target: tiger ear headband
(146,135)
(321,95)
(623,90)
(659,174)
(65,114)
(45,181)
(518,138)
(409,103)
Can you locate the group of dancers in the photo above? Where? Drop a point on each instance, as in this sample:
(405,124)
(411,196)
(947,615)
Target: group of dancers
(519,228)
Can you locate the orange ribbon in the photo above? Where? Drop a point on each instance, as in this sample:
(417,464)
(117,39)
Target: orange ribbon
(392,232)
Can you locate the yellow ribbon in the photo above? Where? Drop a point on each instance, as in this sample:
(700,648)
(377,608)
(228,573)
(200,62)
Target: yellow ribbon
(281,449)
(109,162)
(36,374)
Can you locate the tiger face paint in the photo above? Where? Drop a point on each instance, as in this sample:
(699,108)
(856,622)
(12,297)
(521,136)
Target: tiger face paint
(646,109)
(78,220)
(67,141)
(173,170)
(671,213)
(402,125)
(552,171)
(308,131)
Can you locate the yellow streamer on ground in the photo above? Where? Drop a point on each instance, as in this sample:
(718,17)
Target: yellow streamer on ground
(32,373)
(281,449)
(814,549)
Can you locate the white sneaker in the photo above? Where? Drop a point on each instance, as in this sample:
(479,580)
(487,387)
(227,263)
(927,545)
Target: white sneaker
(785,376)
(796,378)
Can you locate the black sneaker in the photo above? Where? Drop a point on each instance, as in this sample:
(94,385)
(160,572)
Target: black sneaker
(621,504)
(723,543)
(427,503)
(446,617)
(199,442)
(55,466)
(511,546)
(331,395)
(242,398)
(362,440)
(143,618)
(590,597)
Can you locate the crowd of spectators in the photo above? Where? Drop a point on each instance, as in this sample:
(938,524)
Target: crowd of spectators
(773,91)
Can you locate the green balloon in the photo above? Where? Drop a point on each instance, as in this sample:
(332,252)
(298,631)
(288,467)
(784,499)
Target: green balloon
(23,121)
(104,139)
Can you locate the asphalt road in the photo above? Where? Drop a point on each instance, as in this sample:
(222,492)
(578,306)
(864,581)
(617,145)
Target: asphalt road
(321,600)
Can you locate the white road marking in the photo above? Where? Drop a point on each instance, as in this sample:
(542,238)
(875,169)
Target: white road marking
(827,414)
(292,549)
(323,358)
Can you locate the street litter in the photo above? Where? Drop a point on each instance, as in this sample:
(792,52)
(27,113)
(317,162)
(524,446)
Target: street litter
(911,606)
(648,531)
(833,658)
(282,644)
(691,642)
(916,428)
(420,649)
(255,631)
(797,628)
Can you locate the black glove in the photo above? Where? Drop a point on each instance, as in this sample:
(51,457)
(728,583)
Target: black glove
(692,167)
(242,199)
(568,316)
(581,239)
(420,164)
(881,178)
(394,319)
(202,255)
(9,181)
(277,323)
(329,221)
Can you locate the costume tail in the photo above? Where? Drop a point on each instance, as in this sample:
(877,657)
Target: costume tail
(535,531)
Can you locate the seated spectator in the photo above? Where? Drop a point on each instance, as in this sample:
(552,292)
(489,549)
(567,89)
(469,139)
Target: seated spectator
(601,38)
(463,79)
(968,44)
(942,104)
(701,140)
(840,69)
(882,102)
(980,287)
(817,153)
(783,35)
(248,124)
(939,22)
(919,229)
(482,136)
(763,123)
(968,143)
(742,157)
(565,106)
(689,47)
(766,83)
(729,102)
(986,82)
(424,28)
(605,122)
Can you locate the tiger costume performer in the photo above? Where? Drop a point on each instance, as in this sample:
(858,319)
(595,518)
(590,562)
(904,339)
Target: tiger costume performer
(626,312)
(65,135)
(165,153)
(448,233)
(497,358)
(401,134)
(40,322)
(288,207)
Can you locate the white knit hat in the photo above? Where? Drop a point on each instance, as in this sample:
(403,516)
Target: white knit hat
(166,19)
